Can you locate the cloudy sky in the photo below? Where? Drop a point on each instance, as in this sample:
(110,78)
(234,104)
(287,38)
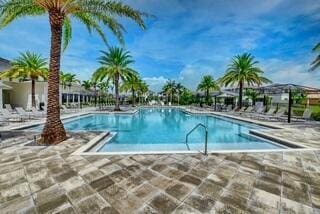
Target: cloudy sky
(190,38)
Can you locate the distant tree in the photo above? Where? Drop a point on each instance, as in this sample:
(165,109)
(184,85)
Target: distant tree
(243,70)
(179,89)
(207,85)
(316,62)
(28,66)
(115,66)
(252,94)
(131,84)
(170,89)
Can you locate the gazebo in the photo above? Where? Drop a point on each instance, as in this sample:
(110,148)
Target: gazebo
(280,88)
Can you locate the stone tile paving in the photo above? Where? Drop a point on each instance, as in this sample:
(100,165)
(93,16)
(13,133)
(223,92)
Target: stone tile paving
(51,180)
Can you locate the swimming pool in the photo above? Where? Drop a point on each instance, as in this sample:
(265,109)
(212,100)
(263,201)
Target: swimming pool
(156,129)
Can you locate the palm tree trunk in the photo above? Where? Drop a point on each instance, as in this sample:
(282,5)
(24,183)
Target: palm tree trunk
(116,86)
(207,96)
(33,92)
(95,96)
(53,131)
(133,98)
(240,94)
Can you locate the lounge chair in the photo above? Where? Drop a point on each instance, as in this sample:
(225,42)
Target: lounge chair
(276,116)
(8,107)
(307,113)
(37,113)
(23,113)
(12,117)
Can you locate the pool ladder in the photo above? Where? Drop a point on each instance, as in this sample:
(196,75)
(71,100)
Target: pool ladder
(206,137)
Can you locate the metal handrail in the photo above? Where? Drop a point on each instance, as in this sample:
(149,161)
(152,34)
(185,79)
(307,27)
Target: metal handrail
(206,137)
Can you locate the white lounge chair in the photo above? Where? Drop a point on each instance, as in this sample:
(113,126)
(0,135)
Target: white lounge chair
(12,117)
(8,107)
(23,113)
(37,113)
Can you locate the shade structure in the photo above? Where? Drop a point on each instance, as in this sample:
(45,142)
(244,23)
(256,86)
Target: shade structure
(279,88)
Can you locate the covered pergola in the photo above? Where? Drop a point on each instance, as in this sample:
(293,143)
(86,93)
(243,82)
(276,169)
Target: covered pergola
(287,88)
(222,94)
(3,87)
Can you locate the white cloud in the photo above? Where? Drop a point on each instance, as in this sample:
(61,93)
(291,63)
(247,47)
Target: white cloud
(288,71)
(191,75)
(155,83)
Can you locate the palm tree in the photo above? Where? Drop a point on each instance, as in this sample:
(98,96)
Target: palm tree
(92,13)
(142,89)
(207,85)
(86,84)
(243,70)
(28,66)
(103,88)
(67,80)
(179,88)
(316,62)
(131,84)
(115,67)
(170,89)
(252,94)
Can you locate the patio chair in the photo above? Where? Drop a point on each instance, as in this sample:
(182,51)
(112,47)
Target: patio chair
(23,113)
(307,113)
(12,117)
(37,113)
(276,116)
(8,107)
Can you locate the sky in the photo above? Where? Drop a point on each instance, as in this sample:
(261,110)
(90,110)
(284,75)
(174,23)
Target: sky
(186,39)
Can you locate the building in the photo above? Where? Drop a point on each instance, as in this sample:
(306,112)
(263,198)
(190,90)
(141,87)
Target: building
(18,92)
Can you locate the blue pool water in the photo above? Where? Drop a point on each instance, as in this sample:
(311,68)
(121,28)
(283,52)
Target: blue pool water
(166,129)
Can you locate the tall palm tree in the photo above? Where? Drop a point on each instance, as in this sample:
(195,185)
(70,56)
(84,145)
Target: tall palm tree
(170,89)
(243,69)
(132,84)
(94,14)
(103,89)
(143,88)
(252,94)
(316,62)
(115,67)
(86,84)
(28,66)
(207,85)
(67,80)
(179,88)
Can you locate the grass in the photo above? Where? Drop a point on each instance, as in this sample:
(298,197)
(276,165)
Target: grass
(298,110)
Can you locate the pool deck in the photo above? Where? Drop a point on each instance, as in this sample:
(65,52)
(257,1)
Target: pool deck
(36,179)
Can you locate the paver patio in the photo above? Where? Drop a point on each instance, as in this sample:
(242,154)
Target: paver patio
(51,180)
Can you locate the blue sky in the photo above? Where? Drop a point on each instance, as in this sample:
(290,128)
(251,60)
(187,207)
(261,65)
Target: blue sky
(191,38)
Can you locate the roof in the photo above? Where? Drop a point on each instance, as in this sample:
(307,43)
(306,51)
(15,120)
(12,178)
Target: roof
(273,88)
(4,64)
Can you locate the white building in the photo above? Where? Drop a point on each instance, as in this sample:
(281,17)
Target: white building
(18,93)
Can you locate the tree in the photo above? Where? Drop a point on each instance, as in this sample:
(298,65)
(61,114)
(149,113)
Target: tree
(170,89)
(92,13)
(143,88)
(86,84)
(115,67)
(67,80)
(103,89)
(179,88)
(207,85)
(316,62)
(28,66)
(243,70)
(132,84)
(252,94)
